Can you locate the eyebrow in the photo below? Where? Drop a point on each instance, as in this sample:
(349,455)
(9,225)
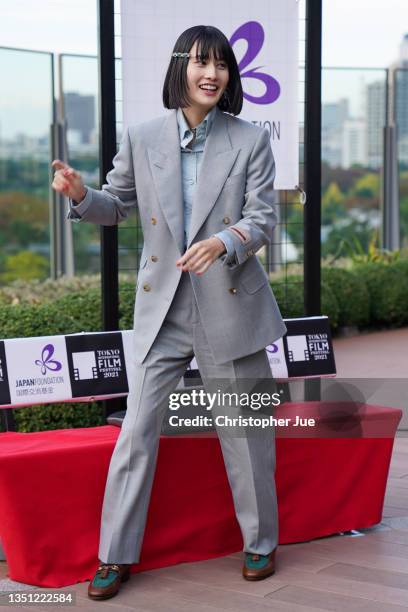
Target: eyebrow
(200,56)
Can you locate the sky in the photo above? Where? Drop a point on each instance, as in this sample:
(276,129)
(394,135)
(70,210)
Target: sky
(356,33)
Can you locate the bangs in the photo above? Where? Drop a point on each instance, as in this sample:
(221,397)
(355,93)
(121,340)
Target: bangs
(209,44)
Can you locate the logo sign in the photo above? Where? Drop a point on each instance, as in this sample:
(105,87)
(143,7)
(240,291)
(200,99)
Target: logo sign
(96,364)
(253,34)
(4,385)
(264,37)
(277,361)
(37,370)
(308,347)
(46,363)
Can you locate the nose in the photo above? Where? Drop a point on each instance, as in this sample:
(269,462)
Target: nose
(211,72)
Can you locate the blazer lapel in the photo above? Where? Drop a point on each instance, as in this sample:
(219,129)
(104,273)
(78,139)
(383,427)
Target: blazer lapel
(165,164)
(218,158)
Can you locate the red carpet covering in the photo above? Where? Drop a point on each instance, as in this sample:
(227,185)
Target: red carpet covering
(52,484)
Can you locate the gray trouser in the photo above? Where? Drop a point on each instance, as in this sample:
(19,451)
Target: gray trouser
(249,460)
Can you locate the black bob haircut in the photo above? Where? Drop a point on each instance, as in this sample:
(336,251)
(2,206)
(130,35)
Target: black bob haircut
(209,39)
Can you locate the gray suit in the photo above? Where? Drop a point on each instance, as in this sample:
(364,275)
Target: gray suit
(235,189)
(225,317)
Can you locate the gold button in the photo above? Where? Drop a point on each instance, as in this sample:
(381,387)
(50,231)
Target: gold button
(226,220)
(146,287)
(154,220)
(232,290)
(154,258)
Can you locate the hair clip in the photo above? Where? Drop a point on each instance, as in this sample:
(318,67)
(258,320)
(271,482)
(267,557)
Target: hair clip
(176,54)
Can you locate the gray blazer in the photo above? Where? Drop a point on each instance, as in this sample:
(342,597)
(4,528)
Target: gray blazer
(234,189)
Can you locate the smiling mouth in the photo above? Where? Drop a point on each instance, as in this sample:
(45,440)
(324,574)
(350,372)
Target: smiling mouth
(208,87)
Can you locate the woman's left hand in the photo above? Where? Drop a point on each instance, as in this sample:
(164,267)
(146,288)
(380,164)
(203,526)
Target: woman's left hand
(199,257)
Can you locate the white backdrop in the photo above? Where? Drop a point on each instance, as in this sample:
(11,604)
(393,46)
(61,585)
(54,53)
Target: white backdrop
(264,36)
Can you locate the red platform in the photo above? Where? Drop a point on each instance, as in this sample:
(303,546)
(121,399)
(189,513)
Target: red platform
(52,485)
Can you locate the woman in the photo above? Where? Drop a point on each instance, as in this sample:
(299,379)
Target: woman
(203,182)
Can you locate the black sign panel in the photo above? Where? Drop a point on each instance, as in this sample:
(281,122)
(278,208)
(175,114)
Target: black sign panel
(308,347)
(4,384)
(96,364)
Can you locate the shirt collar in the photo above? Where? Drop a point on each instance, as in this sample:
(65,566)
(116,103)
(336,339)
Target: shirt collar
(202,129)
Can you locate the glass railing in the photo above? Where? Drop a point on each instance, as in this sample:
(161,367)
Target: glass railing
(353,118)
(26,107)
(400,111)
(79,79)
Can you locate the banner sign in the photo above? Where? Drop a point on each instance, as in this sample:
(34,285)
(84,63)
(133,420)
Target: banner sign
(37,370)
(96,364)
(264,37)
(89,366)
(305,351)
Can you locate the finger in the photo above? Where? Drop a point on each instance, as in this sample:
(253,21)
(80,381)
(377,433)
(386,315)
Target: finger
(60,184)
(187,255)
(70,173)
(59,165)
(189,264)
(198,263)
(204,252)
(203,269)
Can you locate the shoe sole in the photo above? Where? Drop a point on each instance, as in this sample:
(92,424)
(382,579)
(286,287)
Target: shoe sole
(261,577)
(125,578)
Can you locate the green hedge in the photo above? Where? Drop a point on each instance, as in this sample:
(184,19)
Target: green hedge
(75,312)
(289,295)
(59,416)
(387,286)
(351,293)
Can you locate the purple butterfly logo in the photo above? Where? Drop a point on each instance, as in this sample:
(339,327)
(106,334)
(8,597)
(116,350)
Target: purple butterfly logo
(46,363)
(252,32)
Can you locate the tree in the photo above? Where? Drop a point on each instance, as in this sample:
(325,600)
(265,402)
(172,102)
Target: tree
(332,205)
(25,266)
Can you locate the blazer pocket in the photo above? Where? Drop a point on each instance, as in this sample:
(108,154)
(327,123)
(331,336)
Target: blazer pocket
(235,178)
(253,282)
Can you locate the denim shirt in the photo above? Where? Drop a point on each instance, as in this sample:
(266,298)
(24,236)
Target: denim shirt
(192,142)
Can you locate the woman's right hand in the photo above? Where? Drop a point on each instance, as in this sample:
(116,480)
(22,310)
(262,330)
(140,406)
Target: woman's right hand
(68,181)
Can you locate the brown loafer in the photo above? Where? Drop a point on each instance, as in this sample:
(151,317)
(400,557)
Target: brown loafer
(258,567)
(107,580)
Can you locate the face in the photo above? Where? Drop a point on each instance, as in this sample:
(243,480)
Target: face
(206,79)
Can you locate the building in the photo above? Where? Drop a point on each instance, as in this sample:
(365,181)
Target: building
(80,114)
(354,143)
(398,99)
(375,117)
(333,117)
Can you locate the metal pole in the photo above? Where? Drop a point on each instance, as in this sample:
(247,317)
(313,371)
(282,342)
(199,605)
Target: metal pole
(61,241)
(312,214)
(54,197)
(107,140)
(390,187)
(312,179)
(66,243)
